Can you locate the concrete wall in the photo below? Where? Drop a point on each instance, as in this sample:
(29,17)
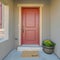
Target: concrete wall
(45,22)
(8,45)
(55,24)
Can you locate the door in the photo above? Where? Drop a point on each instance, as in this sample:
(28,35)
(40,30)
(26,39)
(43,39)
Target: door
(30,25)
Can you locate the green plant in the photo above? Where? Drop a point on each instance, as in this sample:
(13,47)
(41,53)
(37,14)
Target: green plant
(48,43)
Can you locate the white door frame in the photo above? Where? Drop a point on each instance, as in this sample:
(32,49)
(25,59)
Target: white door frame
(30,5)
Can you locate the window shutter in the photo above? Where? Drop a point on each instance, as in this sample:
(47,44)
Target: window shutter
(0,15)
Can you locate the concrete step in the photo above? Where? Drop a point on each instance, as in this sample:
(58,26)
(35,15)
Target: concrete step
(29,48)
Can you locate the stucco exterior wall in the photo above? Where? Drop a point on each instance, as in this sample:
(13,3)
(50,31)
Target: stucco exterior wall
(45,21)
(8,45)
(32,1)
(55,24)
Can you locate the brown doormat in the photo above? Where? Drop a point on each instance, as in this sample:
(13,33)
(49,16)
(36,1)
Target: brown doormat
(30,54)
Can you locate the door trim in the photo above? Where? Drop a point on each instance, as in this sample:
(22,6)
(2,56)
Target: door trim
(19,24)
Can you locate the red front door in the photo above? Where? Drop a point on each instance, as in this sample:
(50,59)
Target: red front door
(30,25)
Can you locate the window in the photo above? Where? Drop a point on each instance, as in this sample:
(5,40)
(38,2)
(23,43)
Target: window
(4,22)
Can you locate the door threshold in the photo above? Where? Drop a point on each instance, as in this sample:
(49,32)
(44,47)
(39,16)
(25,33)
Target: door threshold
(30,45)
(23,48)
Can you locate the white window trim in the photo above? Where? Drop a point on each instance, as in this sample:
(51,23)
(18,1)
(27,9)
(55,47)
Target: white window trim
(2,29)
(5,18)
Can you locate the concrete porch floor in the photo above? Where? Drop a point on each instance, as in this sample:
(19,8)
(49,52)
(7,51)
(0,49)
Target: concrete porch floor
(16,55)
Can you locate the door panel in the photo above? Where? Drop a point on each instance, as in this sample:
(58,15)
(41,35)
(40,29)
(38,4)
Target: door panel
(30,25)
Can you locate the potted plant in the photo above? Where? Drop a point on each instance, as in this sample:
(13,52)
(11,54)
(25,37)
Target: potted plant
(48,46)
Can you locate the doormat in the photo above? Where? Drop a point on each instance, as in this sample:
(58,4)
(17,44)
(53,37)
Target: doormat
(30,54)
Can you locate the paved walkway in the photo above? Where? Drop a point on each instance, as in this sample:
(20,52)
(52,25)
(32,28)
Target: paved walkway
(16,55)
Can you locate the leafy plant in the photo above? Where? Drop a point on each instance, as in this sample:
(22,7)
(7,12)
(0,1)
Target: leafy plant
(48,43)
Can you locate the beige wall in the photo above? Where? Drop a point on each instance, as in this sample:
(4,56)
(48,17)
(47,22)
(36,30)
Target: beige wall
(45,21)
(55,24)
(8,45)
(32,1)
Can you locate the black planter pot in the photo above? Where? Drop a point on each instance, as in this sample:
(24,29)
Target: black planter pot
(48,50)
